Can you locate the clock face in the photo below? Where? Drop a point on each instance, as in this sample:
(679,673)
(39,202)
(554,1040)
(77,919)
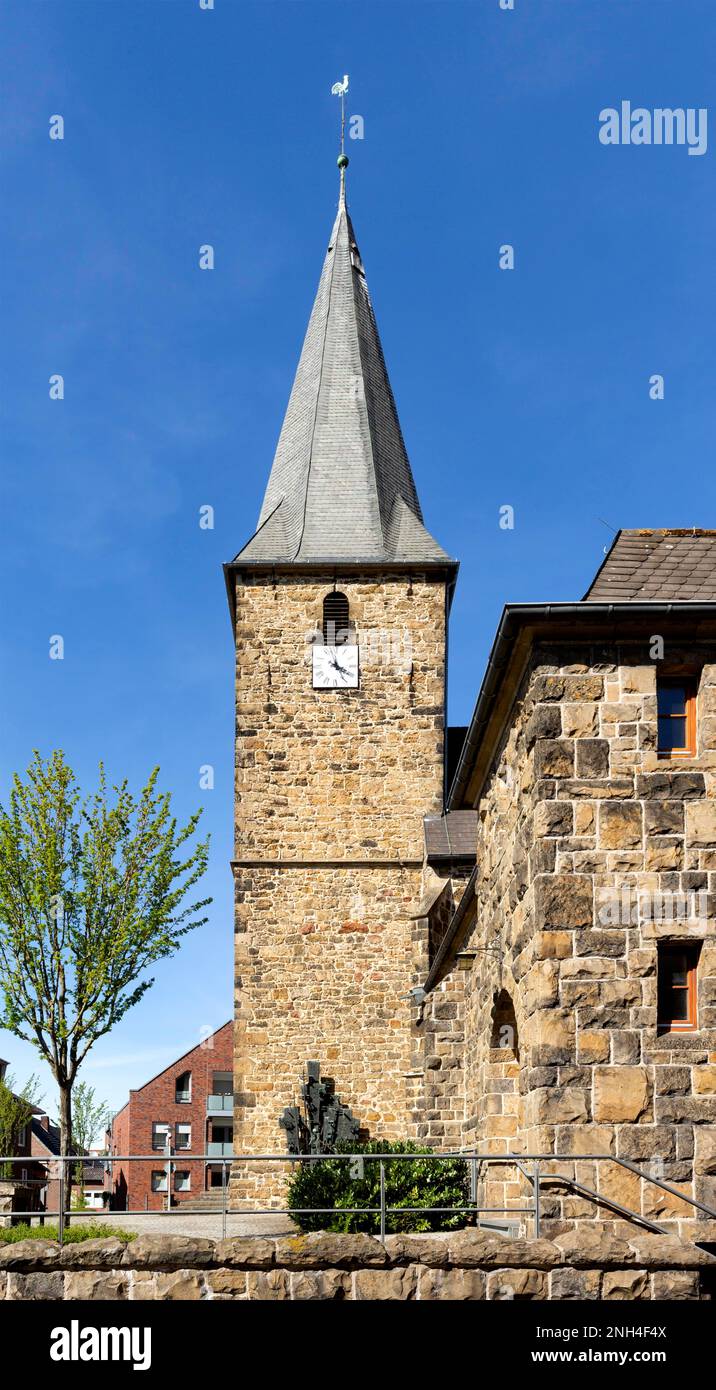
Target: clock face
(335,668)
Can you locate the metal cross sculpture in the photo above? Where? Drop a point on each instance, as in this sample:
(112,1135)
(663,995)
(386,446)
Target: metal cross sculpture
(323,1122)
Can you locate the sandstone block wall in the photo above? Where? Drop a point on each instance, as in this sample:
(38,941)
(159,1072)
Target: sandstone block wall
(331,790)
(464,1266)
(437,1099)
(579,814)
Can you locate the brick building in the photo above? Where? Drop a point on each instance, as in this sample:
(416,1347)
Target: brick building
(505,874)
(24,1185)
(45,1148)
(188,1105)
(88,1181)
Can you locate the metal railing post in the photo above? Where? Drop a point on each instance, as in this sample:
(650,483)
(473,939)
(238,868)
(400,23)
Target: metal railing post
(535,1181)
(61,1203)
(169,1173)
(529,1165)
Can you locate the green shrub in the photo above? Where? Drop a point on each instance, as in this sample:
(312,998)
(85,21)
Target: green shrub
(428,1183)
(73,1233)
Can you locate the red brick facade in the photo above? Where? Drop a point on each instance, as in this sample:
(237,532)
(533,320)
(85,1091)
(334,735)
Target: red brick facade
(210,1067)
(44,1142)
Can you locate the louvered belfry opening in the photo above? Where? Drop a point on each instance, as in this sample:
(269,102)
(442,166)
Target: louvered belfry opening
(336,619)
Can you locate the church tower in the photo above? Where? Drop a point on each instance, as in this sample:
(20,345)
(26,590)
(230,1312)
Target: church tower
(339,603)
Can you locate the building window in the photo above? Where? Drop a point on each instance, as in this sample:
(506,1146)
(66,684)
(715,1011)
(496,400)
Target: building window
(182,1136)
(676,708)
(160,1136)
(183,1089)
(182,1180)
(336,619)
(159,1180)
(676,986)
(222,1083)
(22,1137)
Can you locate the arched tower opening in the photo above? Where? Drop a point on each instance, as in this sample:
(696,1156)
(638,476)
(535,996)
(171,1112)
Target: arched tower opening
(336,619)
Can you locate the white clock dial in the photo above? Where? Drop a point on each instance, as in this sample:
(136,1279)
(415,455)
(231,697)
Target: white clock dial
(335,668)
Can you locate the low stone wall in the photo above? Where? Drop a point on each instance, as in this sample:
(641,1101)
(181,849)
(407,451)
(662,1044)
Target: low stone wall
(7,1193)
(465,1265)
(14,1196)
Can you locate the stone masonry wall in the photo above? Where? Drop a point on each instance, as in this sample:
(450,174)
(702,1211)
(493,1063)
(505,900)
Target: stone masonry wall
(331,790)
(593,811)
(472,1098)
(465,1266)
(336,774)
(436,1097)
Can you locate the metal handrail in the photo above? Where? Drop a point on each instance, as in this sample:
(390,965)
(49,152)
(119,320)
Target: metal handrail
(536,1177)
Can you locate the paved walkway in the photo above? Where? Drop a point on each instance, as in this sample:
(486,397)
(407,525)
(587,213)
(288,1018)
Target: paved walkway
(191,1223)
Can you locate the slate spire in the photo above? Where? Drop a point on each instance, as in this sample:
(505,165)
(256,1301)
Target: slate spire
(341,486)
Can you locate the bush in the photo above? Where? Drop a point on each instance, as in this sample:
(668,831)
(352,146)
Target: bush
(428,1183)
(73,1234)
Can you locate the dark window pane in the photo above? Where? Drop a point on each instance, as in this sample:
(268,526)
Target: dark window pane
(679,1005)
(672,733)
(671,699)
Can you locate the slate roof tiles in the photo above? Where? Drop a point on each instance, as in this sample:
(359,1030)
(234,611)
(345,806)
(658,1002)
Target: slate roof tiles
(666,565)
(341,485)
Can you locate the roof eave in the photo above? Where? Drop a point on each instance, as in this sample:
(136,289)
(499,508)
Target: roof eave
(515,619)
(337,564)
(455,924)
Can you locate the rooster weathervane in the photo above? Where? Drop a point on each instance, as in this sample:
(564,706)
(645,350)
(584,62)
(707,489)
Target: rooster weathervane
(339,89)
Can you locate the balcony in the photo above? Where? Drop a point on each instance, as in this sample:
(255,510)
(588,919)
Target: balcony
(215,1150)
(220,1105)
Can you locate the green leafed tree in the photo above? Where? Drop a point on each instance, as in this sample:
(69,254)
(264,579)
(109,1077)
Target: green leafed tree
(93,893)
(90,1117)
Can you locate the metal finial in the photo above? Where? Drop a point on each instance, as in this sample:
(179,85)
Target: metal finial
(339,89)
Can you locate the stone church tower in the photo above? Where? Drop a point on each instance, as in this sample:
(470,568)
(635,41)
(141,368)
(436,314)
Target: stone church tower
(339,603)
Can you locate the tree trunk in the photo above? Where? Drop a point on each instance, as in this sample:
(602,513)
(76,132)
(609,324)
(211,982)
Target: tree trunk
(66,1141)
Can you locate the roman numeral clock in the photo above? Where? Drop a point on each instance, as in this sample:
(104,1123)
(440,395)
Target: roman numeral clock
(335,667)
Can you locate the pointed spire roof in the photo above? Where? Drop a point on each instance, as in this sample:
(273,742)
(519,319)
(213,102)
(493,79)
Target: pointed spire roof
(341,487)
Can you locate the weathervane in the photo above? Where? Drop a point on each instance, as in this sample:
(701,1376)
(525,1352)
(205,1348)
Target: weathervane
(339,89)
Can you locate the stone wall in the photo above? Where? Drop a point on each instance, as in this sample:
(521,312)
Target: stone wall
(467,1265)
(437,1102)
(15,1196)
(578,817)
(7,1194)
(331,790)
(338,774)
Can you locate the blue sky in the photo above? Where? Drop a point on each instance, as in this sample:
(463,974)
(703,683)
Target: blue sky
(527,387)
